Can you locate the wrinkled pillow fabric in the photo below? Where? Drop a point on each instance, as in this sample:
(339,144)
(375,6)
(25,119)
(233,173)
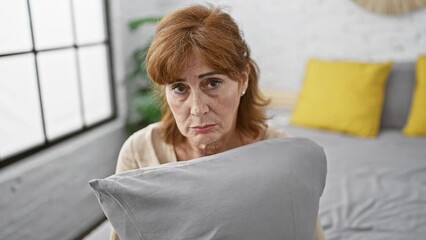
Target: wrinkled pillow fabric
(268,190)
(416,124)
(342,96)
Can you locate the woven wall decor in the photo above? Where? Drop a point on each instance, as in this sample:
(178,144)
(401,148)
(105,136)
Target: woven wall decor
(391,7)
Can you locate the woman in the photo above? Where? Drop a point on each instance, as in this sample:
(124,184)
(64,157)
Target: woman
(208,83)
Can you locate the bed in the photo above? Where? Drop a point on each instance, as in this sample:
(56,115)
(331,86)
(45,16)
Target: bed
(375,187)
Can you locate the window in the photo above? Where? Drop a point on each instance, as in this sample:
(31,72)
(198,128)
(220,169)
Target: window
(55,73)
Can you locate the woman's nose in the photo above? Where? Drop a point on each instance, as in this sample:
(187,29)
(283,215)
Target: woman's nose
(199,105)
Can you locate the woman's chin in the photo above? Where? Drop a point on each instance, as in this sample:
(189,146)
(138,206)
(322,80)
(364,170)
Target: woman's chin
(205,138)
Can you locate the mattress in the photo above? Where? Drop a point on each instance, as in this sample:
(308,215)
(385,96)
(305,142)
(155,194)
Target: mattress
(375,188)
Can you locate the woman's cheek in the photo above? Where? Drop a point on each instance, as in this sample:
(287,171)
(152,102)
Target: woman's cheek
(179,109)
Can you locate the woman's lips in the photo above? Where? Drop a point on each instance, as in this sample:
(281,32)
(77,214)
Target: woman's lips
(204,128)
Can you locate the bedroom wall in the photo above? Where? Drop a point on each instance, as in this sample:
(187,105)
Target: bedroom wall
(284,34)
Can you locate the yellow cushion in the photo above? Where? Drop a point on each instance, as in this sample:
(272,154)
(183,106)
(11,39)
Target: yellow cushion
(416,124)
(342,96)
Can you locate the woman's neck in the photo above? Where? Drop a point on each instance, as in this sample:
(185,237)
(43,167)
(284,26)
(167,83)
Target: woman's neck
(188,150)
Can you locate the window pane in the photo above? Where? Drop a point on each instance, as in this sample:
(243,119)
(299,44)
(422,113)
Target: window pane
(15,34)
(59,91)
(20,115)
(95,83)
(51,23)
(89,21)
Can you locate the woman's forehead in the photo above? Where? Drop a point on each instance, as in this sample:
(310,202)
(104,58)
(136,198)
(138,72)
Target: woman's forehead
(194,65)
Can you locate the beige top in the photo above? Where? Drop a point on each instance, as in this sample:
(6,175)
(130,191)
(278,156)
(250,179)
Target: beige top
(146,148)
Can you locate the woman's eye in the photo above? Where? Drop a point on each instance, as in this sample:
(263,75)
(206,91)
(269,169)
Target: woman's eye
(214,83)
(179,88)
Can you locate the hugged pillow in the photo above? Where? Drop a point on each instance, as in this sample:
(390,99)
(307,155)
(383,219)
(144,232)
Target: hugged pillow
(416,125)
(342,96)
(268,190)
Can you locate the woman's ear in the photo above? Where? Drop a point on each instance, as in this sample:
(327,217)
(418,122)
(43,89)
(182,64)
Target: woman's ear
(245,80)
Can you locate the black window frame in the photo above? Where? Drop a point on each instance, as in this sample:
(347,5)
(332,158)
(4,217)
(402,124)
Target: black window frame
(110,56)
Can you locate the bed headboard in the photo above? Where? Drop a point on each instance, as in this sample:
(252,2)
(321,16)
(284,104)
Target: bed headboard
(398,93)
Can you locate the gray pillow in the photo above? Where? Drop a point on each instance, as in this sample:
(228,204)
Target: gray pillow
(268,190)
(398,94)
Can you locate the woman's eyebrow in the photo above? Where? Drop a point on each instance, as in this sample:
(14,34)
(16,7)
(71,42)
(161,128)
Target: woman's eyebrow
(207,74)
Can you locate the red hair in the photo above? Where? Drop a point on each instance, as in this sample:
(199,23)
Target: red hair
(213,35)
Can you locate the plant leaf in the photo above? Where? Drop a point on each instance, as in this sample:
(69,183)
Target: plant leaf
(136,23)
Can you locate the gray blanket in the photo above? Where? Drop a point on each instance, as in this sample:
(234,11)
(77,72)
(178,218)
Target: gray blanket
(375,188)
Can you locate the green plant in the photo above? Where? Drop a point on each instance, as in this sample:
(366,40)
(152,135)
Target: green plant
(144,107)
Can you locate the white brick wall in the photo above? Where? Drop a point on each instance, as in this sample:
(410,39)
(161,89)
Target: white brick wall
(284,34)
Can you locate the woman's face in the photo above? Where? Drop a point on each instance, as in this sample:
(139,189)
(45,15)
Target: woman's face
(204,103)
